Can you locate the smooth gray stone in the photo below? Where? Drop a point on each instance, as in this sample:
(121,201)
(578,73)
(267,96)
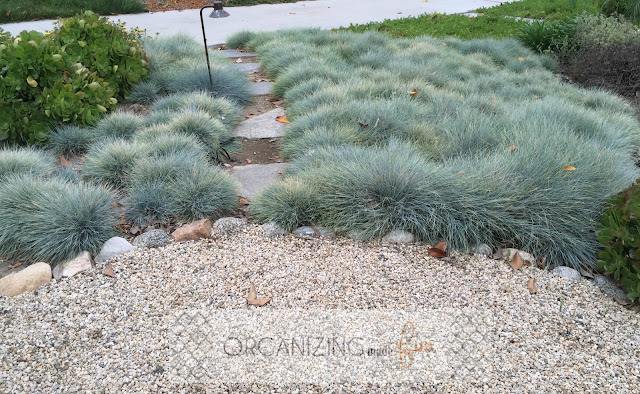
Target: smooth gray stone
(609,287)
(273,230)
(567,272)
(253,178)
(262,126)
(313,232)
(261,88)
(113,247)
(235,53)
(248,68)
(152,239)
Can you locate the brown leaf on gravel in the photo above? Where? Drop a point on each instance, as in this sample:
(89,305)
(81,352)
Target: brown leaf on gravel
(531,286)
(108,270)
(516,261)
(282,119)
(252,298)
(16,265)
(277,103)
(442,245)
(435,252)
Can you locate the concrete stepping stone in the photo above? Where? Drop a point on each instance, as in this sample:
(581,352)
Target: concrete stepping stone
(248,68)
(262,126)
(254,178)
(235,53)
(261,88)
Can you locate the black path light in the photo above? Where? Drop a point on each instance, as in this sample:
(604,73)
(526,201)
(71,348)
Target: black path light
(218,12)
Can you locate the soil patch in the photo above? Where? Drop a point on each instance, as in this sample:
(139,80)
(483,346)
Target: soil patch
(258,151)
(260,105)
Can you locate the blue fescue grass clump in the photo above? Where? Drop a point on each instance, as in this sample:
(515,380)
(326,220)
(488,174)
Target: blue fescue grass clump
(219,108)
(178,65)
(118,125)
(178,187)
(69,141)
(25,161)
(463,141)
(144,93)
(52,220)
(108,162)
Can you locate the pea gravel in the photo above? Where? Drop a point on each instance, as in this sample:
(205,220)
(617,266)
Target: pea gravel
(93,333)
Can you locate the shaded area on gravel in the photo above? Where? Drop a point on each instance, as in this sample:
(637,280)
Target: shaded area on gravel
(92,332)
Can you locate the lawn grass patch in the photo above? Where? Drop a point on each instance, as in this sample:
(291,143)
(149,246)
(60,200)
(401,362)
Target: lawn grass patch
(443,25)
(468,142)
(26,10)
(549,10)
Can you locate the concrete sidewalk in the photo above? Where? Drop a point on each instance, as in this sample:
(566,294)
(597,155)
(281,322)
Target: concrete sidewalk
(325,14)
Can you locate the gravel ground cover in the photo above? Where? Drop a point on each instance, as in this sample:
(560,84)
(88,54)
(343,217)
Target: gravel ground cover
(95,333)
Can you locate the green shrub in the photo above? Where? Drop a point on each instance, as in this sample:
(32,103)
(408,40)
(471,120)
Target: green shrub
(104,47)
(53,220)
(619,234)
(40,85)
(25,161)
(70,141)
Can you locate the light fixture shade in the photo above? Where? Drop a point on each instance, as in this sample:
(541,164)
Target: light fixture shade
(218,11)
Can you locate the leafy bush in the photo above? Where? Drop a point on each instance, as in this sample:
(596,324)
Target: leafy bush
(25,161)
(69,141)
(104,47)
(619,234)
(40,84)
(53,220)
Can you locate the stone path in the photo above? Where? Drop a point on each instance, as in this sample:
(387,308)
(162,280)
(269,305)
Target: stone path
(254,178)
(326,14)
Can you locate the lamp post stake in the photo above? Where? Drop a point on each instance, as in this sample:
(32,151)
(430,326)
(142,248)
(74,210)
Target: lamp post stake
(218,12)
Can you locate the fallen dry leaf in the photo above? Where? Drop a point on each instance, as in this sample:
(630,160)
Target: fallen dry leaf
(277,103)
(435,252)
(413,92)
(513,147)
(243,201)
(363,125)
(442,245)
(444,44)
(16,265)
(521,58)
(263,80)
(516,261)
(108,270)
(248,161)
(568,168)
(250,116)
(276,158)
(64,162)
(252,298)
(531,286)
(282,119)
(279,171)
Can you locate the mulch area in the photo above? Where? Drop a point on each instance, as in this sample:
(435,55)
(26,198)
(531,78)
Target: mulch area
(168,5)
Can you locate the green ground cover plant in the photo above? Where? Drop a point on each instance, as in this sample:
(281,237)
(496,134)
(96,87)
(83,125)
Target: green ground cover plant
(463,141)
(549,10)
(620,238)
(442,25)
(26,10)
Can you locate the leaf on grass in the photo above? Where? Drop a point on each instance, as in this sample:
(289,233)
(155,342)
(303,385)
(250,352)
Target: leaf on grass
(64,162)
(252,298)
(521,58)
(513,147)
(436,252)
(243,201)
(108,270)
(568,168)
(441,245)
(444,44)
(363,125)
(413,92)
(282,119)
(516,261)
(16,265)
(531,286)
